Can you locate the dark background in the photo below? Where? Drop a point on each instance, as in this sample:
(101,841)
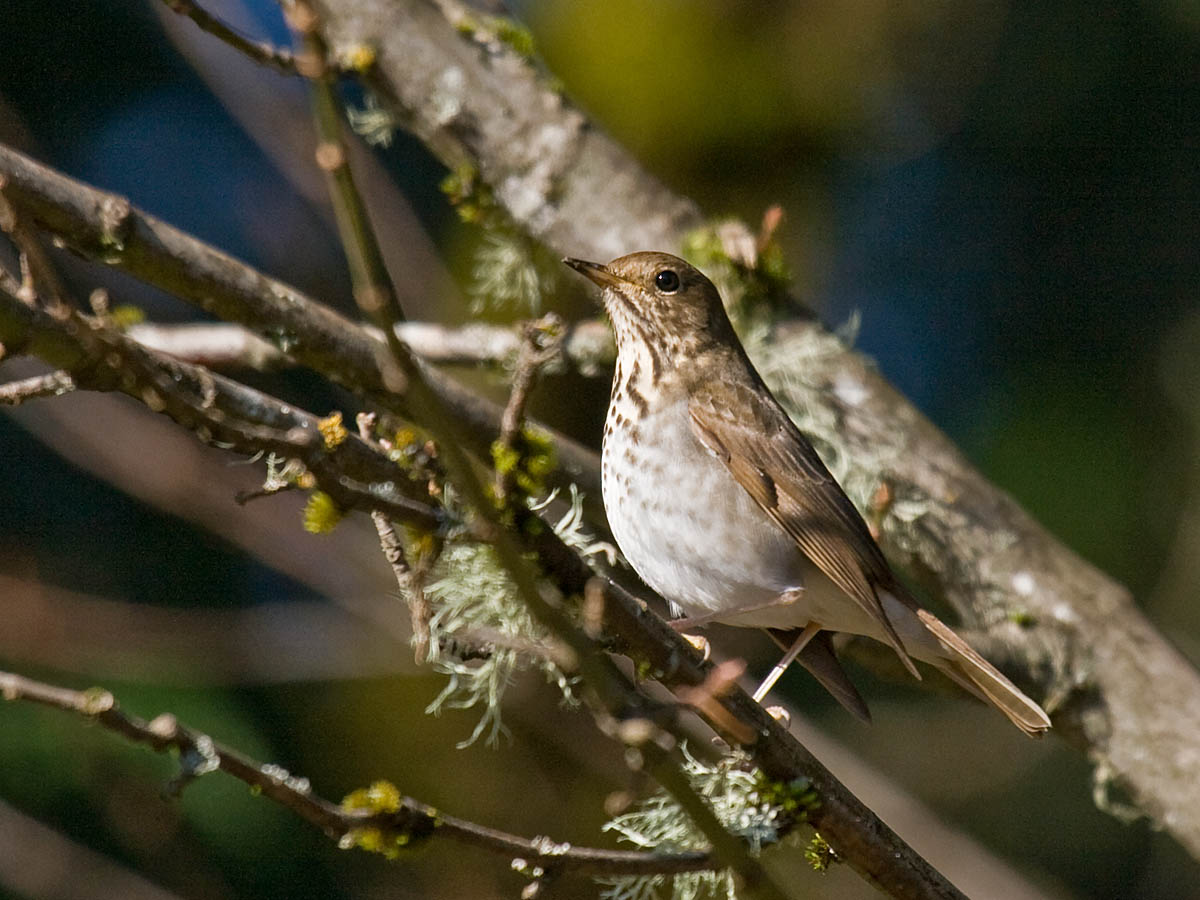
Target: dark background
(1006,194)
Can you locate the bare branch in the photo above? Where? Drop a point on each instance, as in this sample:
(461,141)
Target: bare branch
(216,409)
(541,344)
(587,346)
(106,227)
(279,58)
(410,581)
(52,384)
(412,819)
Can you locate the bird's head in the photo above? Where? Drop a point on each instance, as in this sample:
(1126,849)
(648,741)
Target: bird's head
(659,301)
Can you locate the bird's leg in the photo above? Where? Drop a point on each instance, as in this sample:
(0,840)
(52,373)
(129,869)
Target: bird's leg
(809,632)
(725,615)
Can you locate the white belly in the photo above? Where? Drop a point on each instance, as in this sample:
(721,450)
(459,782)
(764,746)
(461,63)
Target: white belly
(698,538)
(690,530)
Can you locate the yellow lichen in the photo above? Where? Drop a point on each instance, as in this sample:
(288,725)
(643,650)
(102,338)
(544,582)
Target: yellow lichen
(321,514)
(332,430)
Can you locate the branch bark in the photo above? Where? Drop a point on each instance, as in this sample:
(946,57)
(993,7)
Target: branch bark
(106,227)
(410,819)
(587,345)
(1118,690)
(216,409)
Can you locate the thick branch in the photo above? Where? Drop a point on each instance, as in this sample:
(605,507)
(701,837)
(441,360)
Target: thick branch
(200,754)
(1123,694)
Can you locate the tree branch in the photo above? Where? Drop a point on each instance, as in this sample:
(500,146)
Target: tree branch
(587,346)
(52,384)
(106,227)
(278,58)
(1118,690)
(412,819)
(216,409)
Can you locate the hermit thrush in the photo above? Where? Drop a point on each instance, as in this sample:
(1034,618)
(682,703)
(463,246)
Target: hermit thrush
(722,506)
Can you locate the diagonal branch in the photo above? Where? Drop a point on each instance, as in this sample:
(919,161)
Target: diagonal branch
(616,698)
(218,410)
(106,227)
(409,820)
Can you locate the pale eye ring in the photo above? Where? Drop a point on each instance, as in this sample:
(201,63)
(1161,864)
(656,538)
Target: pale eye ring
(667,281)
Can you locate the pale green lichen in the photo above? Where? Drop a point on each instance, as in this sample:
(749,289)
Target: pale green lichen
(373,122)
(751,806)
(469,194)
(509,274)
(472,595)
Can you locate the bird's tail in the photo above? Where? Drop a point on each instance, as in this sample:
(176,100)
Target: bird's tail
(979,677)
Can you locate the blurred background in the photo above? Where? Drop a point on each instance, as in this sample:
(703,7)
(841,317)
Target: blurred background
(1007,194)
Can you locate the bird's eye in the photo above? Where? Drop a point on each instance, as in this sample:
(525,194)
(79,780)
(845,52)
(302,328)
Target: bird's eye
(667,281)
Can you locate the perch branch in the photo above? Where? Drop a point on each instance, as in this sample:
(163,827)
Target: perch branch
(199,754)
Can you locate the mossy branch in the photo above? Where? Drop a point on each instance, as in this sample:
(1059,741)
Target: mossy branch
(379,818)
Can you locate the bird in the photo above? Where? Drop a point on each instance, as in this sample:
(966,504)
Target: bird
(722,506)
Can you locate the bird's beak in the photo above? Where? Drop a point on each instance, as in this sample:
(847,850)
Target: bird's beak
(601,275)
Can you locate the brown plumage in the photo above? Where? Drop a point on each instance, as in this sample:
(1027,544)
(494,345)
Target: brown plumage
(722,505)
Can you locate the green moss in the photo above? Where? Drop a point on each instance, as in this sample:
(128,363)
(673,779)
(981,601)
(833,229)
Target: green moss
(750,293)
(528,463)
(515,35)
(819,854)
(508,31)
(321,514)
(125,316)
(794,798)
(469,194)
(380,797)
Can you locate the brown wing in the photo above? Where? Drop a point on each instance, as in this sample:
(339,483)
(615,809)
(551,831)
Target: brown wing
(779,468)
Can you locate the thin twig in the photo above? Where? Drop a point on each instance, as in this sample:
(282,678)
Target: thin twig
(262,52)
(200,754)
(541,344)
(409,580)
(38,275)
(52,384)
(216,409)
